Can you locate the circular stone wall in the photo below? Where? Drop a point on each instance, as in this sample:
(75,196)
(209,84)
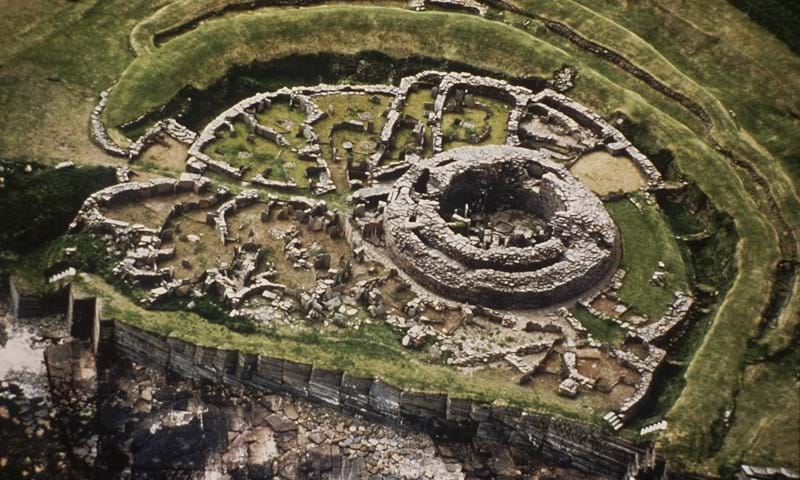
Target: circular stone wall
(430,236)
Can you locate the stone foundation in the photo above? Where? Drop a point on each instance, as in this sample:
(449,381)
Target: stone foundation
(474,269)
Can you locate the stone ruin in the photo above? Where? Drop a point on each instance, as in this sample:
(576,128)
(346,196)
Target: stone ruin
(471,6)
(486,245)
(431,232)
(544,119)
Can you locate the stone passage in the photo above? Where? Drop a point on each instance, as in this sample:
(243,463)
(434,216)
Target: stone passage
(499,226)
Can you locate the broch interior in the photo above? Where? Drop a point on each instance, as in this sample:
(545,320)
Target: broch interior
(445,248)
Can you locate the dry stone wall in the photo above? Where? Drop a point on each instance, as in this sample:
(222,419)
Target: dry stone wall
(25,305)
(462,5)
(581,251)
(581,122)
(531,435)
(102,139)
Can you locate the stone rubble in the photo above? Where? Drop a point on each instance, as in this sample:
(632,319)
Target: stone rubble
(100,136)
(227,433)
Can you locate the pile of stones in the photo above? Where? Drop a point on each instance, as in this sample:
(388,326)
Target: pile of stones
(28,418)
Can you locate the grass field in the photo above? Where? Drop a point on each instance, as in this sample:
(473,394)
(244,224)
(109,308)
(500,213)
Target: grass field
(601,330)
(768,439)
(64,55)
(52,72)
(258,155)
(647,240)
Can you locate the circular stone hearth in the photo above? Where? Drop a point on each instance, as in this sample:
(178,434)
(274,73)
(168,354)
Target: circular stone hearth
(432,236)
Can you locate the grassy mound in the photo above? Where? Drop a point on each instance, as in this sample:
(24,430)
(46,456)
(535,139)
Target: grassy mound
(238,40)
(204,55)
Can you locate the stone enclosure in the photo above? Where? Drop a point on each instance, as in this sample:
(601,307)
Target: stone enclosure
(462,226)
(502,267)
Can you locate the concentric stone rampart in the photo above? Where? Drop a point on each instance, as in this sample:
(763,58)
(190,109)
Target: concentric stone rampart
(580,251)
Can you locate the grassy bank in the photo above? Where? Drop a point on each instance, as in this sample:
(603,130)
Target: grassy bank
(37,207)
(210,50)
(52,70)
(372,351)
(647,240)
(723,54)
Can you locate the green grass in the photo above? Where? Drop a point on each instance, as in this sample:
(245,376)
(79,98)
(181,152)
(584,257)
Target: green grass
(496,119)
(262,153)
(766,421)
(281,112)
(780,17)
(39,206)
(90,49)
(787,327)
(722,70)
(415,103)
(602,330)
(173,15)
(372,351)
(347,107)
(359,156)
(51,73)
(30,271)
(760,125)
(26,24)
(720,53)
(719,63)
(646,240)
(153,80)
